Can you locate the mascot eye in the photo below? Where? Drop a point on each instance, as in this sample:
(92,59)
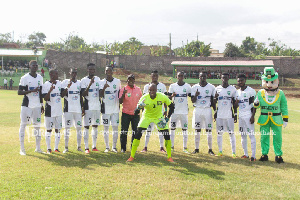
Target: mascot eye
(272,82)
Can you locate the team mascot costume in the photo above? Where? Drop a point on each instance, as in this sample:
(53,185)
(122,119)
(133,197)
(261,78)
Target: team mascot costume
(274,114)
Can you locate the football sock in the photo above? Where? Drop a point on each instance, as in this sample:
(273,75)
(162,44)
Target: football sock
(48,139)
(220,141)
(232,142)
(209,139)
(22,135)
(79,136)
(94,136)
(197,139)
(185,138)
(67,136)
(135,145)
(244,143)
(147,138)
(106,136)
(37,134)
(86,138)
(172,136)
(57,139)
(161,139)
(253,144)
(115,136)
(168,147)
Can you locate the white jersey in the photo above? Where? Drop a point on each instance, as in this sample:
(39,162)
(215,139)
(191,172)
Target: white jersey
(244,101)
(28,82)
(207,93)
(111,96)
(91,101)
(53,107)
(181,98)
(225,98)
(72,99)
(160,88)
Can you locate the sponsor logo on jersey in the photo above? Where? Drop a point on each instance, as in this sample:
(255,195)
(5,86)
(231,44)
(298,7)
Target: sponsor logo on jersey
(57,100)
(75,98)
(184,90)
(180,100)
(97,121)
(203,102)
(228,92)
(112,97)
(159,103)
(206,91)
(243,106)
(114,86)
(129,94)
(224,103)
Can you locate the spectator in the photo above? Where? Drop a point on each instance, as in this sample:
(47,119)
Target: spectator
(11,82)
(43,72)
(5,83)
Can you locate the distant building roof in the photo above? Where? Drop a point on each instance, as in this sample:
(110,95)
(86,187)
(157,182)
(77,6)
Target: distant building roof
(251,63)
(20,53)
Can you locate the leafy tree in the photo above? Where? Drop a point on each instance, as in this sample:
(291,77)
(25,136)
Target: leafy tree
(55,45)
(194,49)
(131,46)
(36,39)
(5,38)
(232,50)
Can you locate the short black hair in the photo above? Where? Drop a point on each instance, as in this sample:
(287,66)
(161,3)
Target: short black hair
(90,64)
(242,76)
(225,74)
(154,71)
(32,61)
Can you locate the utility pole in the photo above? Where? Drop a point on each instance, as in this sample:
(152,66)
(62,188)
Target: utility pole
(170,45)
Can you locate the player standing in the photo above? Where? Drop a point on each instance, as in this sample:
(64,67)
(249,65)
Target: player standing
(90,88)
(180,92)
(245,97)
(225,96)
(53,109)
(152,104)
(110,107)
(72,107)
(32,106)
(203,98)
(160,88)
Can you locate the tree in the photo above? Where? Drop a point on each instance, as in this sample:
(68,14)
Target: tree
(232,50)
(36,39)
(5,38)
(131,46)
(194,49)
(75,43)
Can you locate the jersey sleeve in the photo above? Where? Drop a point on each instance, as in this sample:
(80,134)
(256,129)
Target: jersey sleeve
(145,89)
(213,91)
(164,89)
(22,82)
(193,90)
(83,84)
(45,88)
(283,106)
(171,89)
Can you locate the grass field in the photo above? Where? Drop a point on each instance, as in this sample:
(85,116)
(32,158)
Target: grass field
(108,176)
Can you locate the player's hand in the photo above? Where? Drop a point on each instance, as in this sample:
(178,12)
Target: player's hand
(197,93)
(69,85)
(92,80)
(37,89)
(235,118)
(284,124)
(105,86)
(165,114)
(174,94)
(252,120)
(216,95)
(52,87)
(42,110)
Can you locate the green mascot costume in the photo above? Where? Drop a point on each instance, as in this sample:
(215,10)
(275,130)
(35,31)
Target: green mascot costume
(274,114)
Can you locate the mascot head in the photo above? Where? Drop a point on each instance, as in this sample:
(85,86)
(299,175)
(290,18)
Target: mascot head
(270,81)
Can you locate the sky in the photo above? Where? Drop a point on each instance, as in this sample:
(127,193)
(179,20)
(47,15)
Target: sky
(214,21)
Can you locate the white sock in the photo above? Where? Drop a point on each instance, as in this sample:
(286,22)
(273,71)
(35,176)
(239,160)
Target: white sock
(147,138)
(79,136)
(253,144)
(172,136)
(185,138)
(220,141)
(94,136)
(232,142)
(37,134)
(67,136)
(22,136)
(48,139)
(86,138)
(209,139)
(161,139)
(106,136)
(115,136)
(197,139)
(57,139)
(244,143)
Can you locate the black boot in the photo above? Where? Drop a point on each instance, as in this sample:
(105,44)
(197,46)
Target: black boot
(264,158)
(279,159)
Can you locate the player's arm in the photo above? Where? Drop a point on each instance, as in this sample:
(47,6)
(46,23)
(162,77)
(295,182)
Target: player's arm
(122,97)
(47,95)
(23,90)
(102,91)
(86,90)
(234,109)
(41,100)
(284,108)
(64,91)
(194,96)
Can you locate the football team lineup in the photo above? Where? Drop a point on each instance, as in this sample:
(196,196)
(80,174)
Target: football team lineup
(91,102)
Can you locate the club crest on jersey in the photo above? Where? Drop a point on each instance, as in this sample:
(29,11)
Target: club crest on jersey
(159,90)
(185,125)
(78,123)
(97,84)
(78,88)
(114,86)
(206,91)
(184,90)
(245,95)
(38,119)
(39,83)
(97,121)
(209,125)
(129,94)
(228,92)
(159,103)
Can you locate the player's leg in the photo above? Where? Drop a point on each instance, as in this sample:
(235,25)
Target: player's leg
(220,130)
(161,141)
(95,124)
(67,123)
(184,125)
(106,122)
(167,138)
(78,122)
(265,141)
(125,121)
(115,124)
(36,120)
(49,125)
(208,122)
(25,116)
(87,122)
(251,134)
(196,124)
(243,132)
(277,142)
(134,125)
(230,126)
(58,126)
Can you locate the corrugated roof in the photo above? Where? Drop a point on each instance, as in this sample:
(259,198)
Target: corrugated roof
(252,63)
(19,53)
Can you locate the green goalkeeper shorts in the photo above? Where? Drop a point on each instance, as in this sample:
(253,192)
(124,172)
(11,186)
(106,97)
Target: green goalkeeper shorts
(145,122)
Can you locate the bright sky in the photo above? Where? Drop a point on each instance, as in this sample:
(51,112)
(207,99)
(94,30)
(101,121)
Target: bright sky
(215,21)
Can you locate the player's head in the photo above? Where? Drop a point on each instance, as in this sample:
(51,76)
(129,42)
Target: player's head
(225,78)
(73,73)
(130,80)
(152,90)
(154,76)
(202,77)
(180,76)
(108,71)
(241,79)
(33,66)
(91,67)
(53,73)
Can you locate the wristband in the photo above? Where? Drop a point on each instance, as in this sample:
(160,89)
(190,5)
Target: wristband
(235,114)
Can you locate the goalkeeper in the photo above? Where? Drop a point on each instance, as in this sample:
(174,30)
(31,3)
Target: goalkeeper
(152,104)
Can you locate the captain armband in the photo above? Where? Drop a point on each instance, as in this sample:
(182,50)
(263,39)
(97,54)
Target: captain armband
(285,118)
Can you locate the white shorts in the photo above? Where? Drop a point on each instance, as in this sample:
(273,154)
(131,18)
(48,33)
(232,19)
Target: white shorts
(179,121)
(245,126)
(71,119)
(110,119)
(151,127)
(202,118)
(91,117)
(225,125)
(53,122)
(30,115)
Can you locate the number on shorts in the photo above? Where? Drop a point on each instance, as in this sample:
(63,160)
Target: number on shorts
(154,106)
(197,124)
(105,121)
(28,118)
(241,129)
(51,124)
(68,122)
(90,120)
(173,124)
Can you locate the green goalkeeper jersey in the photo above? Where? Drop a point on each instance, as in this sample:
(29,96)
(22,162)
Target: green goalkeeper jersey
(153,107)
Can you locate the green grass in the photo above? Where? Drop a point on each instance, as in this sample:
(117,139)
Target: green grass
(108,176)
